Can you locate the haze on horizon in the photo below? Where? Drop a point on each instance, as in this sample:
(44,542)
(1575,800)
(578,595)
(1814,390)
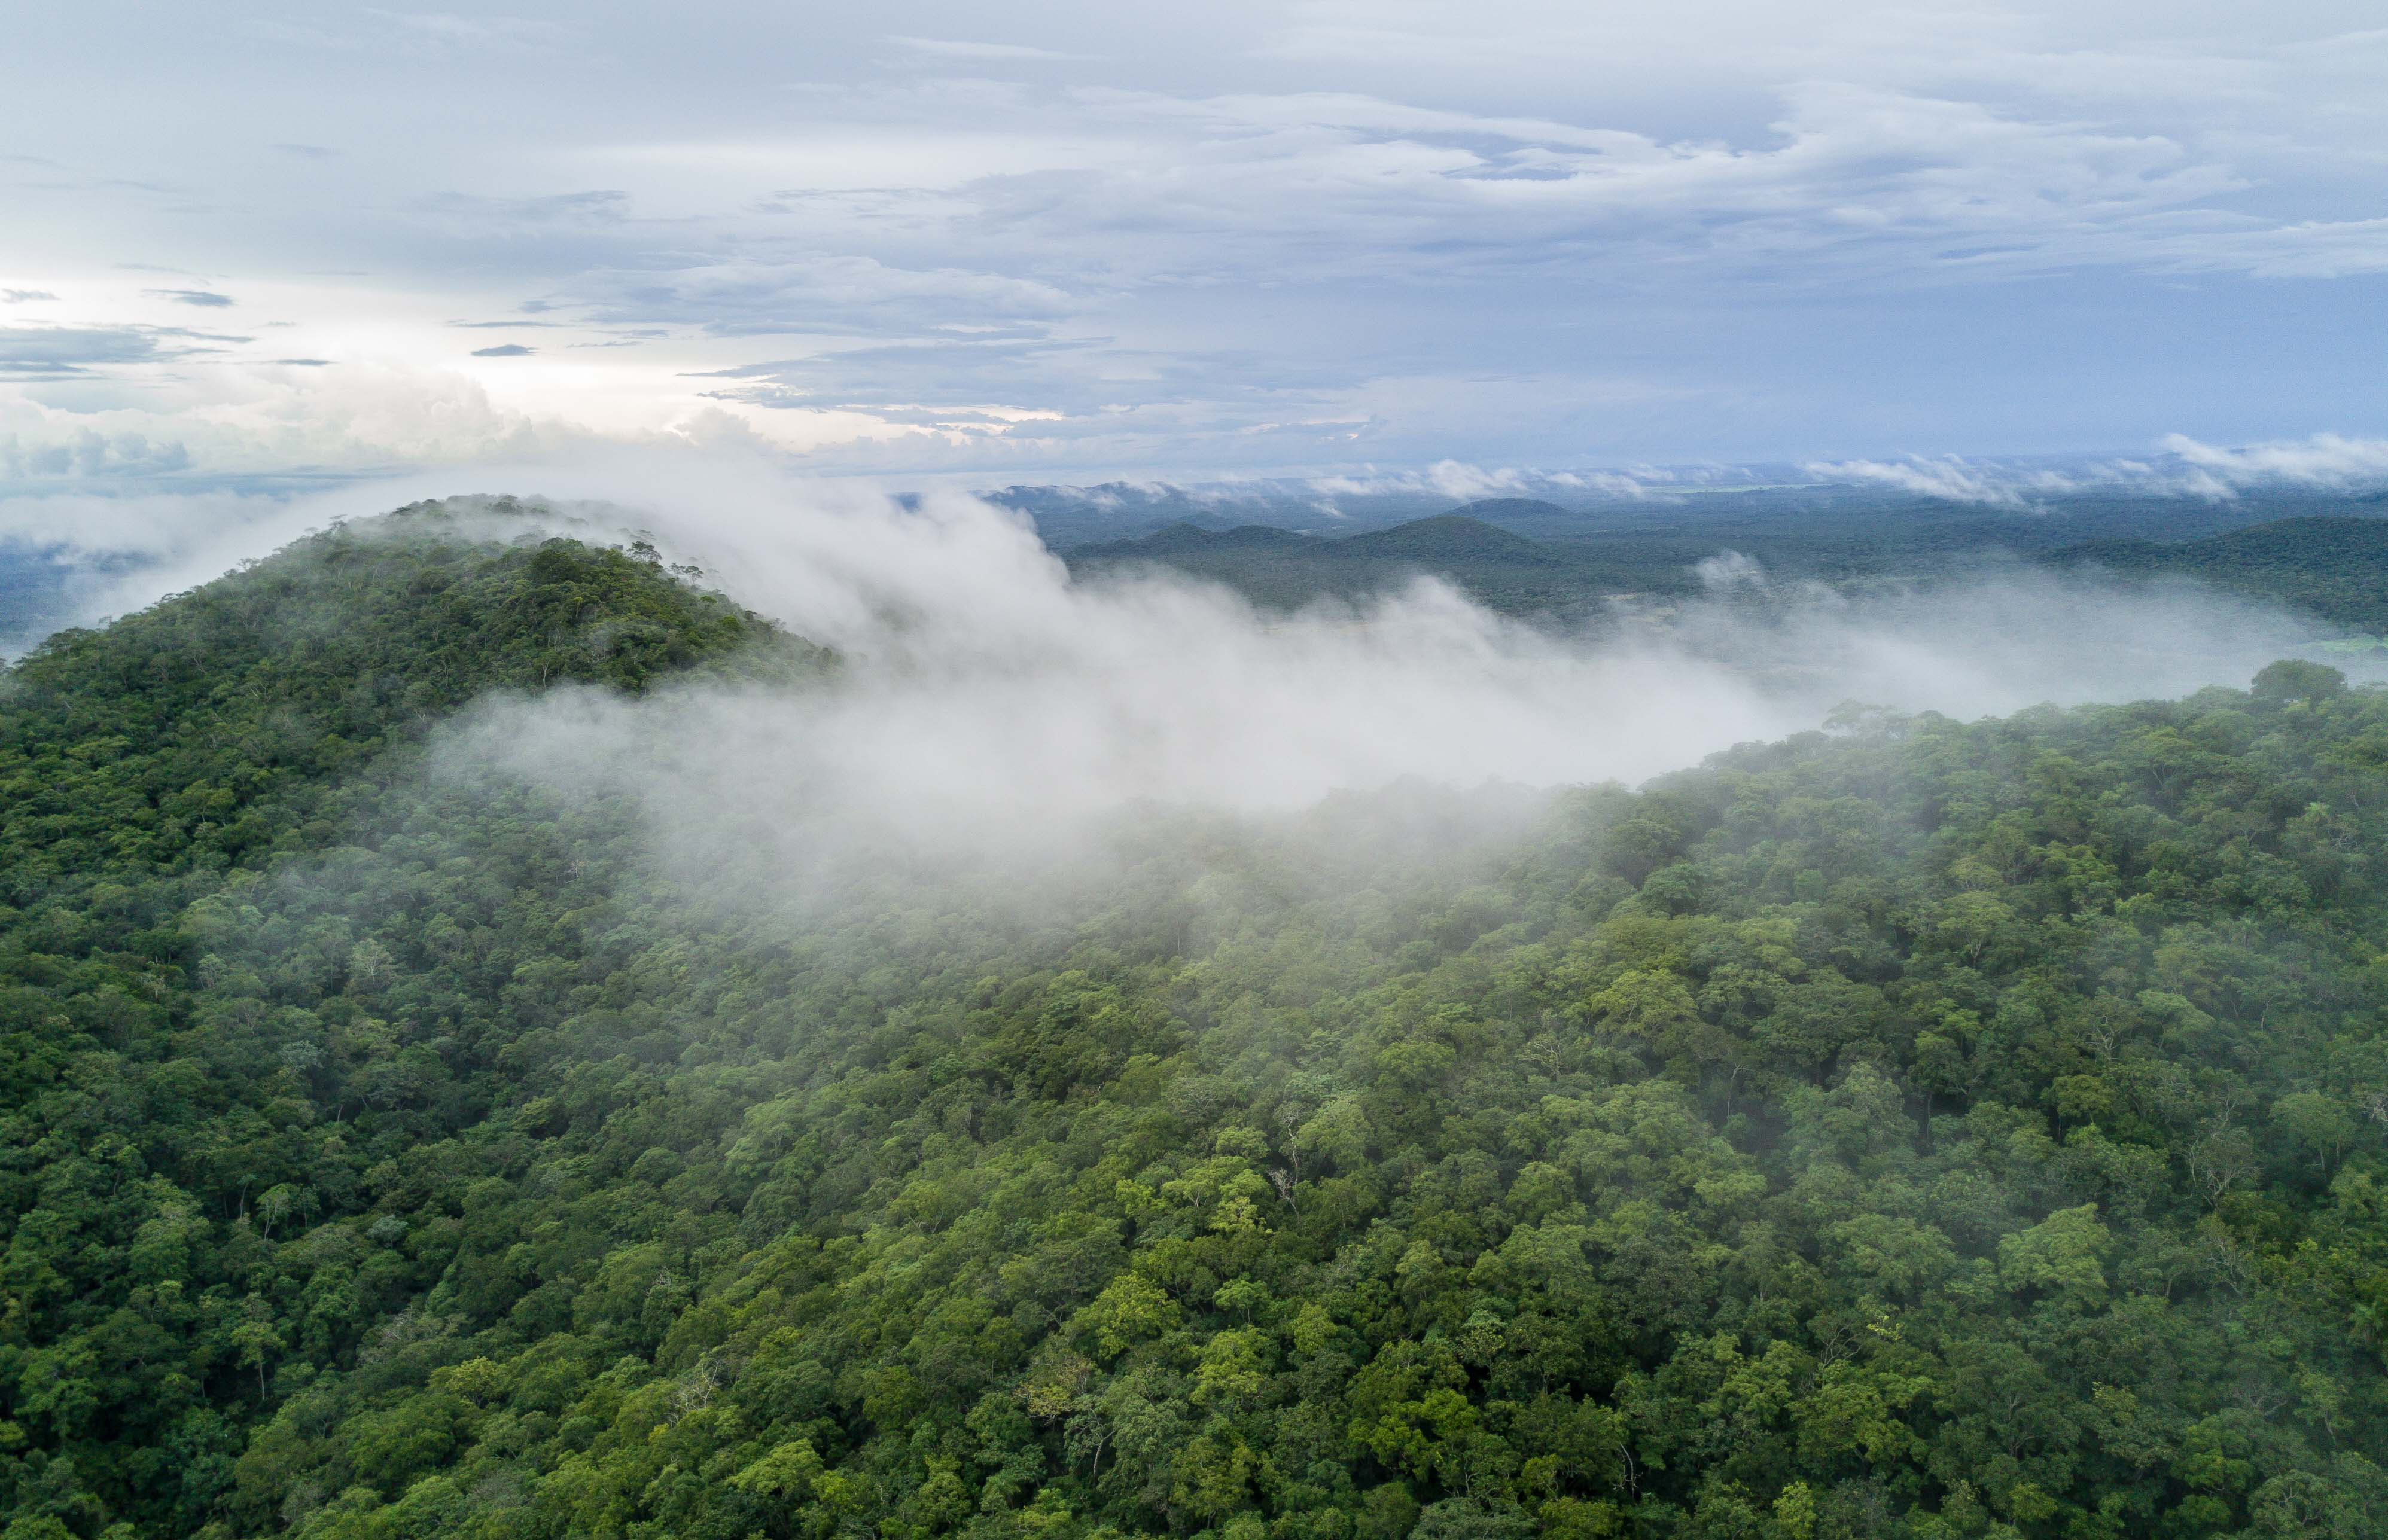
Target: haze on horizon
(266,245)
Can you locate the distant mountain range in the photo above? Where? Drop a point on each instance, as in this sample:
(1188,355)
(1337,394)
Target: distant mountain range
(1465,535)
(2333,566)
(1846,525)
(1282,544)
(1499,567)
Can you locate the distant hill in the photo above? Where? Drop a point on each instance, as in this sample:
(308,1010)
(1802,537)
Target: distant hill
(1069,518)
(2337,567)
(1500,567)
(1527,556)
(1824,530)
(1495,509)
(1184,538)
(1541,520)
(1447,537)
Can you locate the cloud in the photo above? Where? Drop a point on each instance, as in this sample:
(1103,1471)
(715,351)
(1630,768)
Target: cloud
(992,52)
(823,293)
(473,31)
(504,350)
(1845,182)
(1036,394)
(1320,237)
(1950,479)
(25,297)
(272,424)
(60,352)
(991,710)
(1730,572)
(1466,483)
(87,454)
(65,503)
(2325,460)
(427,33)
(2187,468)
(94,554)
(204,298)
(480,217)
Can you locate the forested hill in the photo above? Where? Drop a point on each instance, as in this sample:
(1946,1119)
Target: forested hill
(153,773)
(202,731)
(1919,1129)
(2335,567)
(1500,568)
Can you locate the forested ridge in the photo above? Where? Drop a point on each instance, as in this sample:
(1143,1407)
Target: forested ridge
(2321,556)
(2332,567)
(1915,1128)
(1499,568)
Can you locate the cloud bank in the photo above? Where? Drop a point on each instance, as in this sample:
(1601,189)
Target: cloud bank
(992,713)
(1080,240)
(2189,468)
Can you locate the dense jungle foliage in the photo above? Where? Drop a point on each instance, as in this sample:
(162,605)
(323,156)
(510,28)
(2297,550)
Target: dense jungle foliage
(1500,569)
(1915,1128)
(2326,557)
(2336,567)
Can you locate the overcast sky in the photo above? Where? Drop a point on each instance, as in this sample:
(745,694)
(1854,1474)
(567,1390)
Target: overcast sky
(1054,241)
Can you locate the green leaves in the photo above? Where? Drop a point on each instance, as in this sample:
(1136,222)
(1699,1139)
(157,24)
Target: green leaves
(790,1473)
(1130,1309)
(2063,1255)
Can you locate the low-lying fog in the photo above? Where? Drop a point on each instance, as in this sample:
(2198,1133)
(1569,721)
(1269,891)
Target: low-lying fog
(991,708)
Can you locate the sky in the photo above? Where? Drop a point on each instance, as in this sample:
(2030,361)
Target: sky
(255,244)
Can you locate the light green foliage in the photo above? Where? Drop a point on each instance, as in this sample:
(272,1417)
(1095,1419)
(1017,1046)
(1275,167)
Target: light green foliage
(1927,1130)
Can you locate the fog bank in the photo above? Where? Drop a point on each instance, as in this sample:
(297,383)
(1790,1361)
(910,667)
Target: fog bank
(992,709)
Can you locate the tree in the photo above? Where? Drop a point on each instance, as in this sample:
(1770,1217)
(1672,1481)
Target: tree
(2294,679)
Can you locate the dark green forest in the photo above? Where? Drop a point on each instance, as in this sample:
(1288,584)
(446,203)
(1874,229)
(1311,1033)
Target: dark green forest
(2336,567)
(1501,569)
(1912,1128)
(2331,567)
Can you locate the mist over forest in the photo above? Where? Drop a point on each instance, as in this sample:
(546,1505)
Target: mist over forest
(1313,770)
(735,1016)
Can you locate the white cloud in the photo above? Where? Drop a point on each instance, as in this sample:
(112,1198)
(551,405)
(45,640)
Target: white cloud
(991,709)
(88,454)
(1330,234)
(1730,572)
(361,419)
(2188,468)
(433,34)
(821,292)
(43,352)
(1948,478)
(2325,460)
(1466,483)
(942,47)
